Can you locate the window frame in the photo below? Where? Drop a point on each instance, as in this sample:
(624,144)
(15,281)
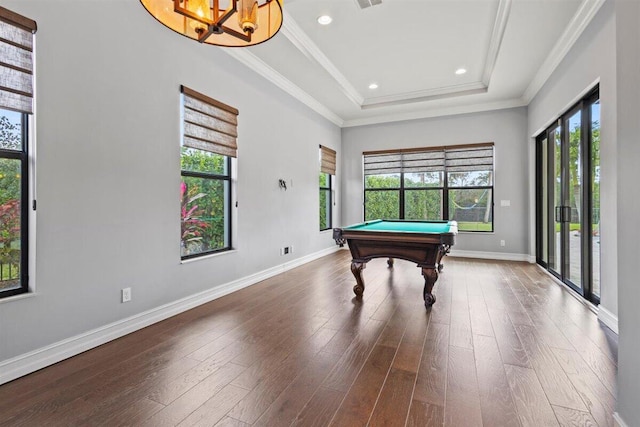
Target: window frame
(23,156)
(228,212)
(329,192)
(444,189)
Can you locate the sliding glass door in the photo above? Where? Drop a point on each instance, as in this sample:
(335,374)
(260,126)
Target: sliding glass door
(568,205)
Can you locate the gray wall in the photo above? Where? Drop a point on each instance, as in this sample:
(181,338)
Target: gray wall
(628,75)
(506,128)
(108,170)
(592,59)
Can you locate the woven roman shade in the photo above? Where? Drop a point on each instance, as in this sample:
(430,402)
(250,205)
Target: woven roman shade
(468,159)
(460,158)
(16,61)
(209,125)
(327,160)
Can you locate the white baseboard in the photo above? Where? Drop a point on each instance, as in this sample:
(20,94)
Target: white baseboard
(608,318)
(29,362)
(618,420)
(503,256)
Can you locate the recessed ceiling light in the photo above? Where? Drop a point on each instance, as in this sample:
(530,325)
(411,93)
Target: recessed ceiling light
(461,71)
(324,20)
(373,86)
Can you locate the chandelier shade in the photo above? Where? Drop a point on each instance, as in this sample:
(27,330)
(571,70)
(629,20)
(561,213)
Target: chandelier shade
(229,23)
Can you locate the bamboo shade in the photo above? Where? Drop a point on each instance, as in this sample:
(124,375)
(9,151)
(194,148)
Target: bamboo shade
(327,160)
(209,125)
(16,61)
(462,158)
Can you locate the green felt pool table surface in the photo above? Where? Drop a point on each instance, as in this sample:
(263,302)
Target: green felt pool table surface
(431,227)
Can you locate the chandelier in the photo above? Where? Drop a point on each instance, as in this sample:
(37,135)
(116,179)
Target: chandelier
(233,23)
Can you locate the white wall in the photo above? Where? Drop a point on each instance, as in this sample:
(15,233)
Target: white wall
(592,59)
(506,128)
(628,94)
(108,78)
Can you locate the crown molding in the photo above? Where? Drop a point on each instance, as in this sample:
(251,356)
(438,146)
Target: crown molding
(254,63)
(436,112)
(424,95)
(499,27)
(582,18)
(292,31)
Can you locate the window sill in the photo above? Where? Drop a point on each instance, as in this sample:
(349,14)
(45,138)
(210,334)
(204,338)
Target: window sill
(215,255)
(18,297)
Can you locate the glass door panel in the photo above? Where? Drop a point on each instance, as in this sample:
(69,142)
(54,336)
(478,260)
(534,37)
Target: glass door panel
(545,200)
(573,199)
(555,235)
(595,197)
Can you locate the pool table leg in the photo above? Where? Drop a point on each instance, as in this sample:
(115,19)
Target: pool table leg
(430,276)
(356,269)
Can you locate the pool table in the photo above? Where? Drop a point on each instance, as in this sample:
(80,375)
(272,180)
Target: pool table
(422,242)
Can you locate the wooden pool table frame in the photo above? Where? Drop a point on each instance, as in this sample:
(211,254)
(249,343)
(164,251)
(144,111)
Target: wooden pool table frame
(425,249)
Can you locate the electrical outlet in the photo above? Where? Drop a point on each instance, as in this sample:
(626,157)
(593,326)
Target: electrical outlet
(503,243)
(286,250)
(126,294)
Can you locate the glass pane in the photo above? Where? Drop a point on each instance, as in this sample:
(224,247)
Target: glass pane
(382,204)
(575,198)
(555,256)
(423,179)
(324,180)
(423,204)
(595,195)
(10,223)
(470,179)
(472,208)
(545,200)
(204,208)
(10,130)
(382,181)
(325,209)
(194,160)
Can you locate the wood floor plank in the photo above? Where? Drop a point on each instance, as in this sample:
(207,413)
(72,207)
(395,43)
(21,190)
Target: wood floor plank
(195,397)
(599,401)
(230,422)
(462,401)
(496,402)
(511,349)
(424,414)
(284,410)
(431,383)
(393,403)
(344,373)
(572,418)
(554,381)
(214,409)
(319,411)
(533,407)
(360,400)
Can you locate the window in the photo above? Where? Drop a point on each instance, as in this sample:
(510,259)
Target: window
(440,183)
(327,170)
(208,145)
(16,104)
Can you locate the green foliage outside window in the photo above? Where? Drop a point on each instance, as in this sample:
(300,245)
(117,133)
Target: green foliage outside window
(204,202)
(10,196)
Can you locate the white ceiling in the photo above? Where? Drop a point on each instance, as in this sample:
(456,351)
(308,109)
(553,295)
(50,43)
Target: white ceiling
(411,49)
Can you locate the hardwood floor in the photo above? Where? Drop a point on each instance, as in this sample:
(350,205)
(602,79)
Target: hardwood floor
(504,345)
